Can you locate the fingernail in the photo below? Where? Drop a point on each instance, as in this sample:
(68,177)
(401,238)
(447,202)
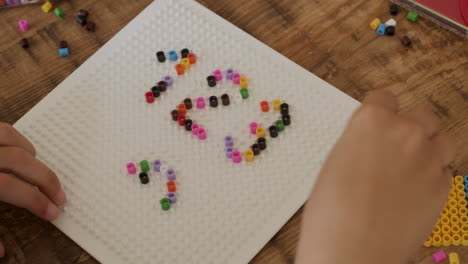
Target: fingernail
(52,212)
(60,198)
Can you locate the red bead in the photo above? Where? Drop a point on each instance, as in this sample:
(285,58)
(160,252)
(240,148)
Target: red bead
(265,106)
(181,120)
(171,186)
(192,57)
(180,69)
(149,97)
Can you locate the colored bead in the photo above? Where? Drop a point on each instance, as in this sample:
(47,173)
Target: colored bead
(391,22)
(173,55)
(213,101)
(188,103)
(393,10)
(83,13)
(277,104)
(225,99)
(390,31)
(47,7)
(218,74)
(405,41)
(163,169)
(253,128)
(180,69)
(165,204)
(200,102)
(149,97)
(229,73)
(131,168)
(181,120)
(412,16)
(236,157)
(260,132)
(186,63)
(144,179)
(182,109)
(64,52)
(175,115)
(284,108)
(156,92)
(243,82)
(201,134)
(453,258)
(169,80)
(184,53)
(23,25)
(249,156)
(172,197)
(381,29)
(279,125)
(229,151)
(90,26)
(244,93)
(171,186)
(236,78)
(262,143)
(63,44)
(256,149)
(439,256)
(145,167)
(24,43)
(228,141)
(157,165)
(161,56)
(192,57)
(81,20)
(171,175)
(265,106)
(188,124)
(195,128)
(273,131)
(211,81)
(375,23)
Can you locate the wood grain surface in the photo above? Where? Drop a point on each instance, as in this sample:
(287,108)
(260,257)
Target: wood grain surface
(331,39)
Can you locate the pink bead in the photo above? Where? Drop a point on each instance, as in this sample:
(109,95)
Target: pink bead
(201,134)
(253,128)
(236,157)
(236,78)
(200,102)
(439,256)
(195,129)
(23,24)
(131,168)
(218,74)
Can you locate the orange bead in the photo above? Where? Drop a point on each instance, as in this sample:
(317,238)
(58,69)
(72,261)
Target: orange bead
(192,57)
(182,109)
(171,186)
(180,69)
(265,106)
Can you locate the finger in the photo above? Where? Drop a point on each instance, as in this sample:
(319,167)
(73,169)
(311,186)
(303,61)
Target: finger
(23,165)
(425,118)
(382,98)
(2,250)
(9,136)
(17,192)
(446,148)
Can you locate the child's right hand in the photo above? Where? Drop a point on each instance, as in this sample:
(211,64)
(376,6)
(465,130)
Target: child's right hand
(21,173)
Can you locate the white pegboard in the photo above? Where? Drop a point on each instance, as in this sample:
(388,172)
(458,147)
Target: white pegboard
(97,120)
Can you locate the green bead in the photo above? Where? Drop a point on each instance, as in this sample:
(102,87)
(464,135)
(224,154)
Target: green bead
(279,125)
(165,204)
(59,12)
(144,166)
(412,16)
(245,93)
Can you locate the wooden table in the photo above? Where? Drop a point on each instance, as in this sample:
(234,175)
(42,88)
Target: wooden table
(332,39)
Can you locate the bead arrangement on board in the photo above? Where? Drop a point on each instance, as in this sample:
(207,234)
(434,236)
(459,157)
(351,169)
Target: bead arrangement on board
(388,28)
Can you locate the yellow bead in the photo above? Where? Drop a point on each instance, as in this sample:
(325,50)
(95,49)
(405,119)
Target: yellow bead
(459,186)
(186,63)
(444,220)
(461,195)
(458,179)
(437,240)
(453,211)
(463,218)
(277,104)
(464,229)
(244,82)
(428,242)
(436,230)
(452,194)
(462,212)
(446,240)
(260,132)
(456,239)
(455,229)
(375,23)
(464,240)
(454,220)
(462,203)
(47,7)
(445,211)
(453,258)
(445,229)
(452,202)
(249,156)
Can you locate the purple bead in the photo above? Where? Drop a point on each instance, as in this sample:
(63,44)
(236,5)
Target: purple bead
(169,80)
(229,141)
(9,2)
(229,73)
(172,197)
(171,175)
(229,151)
(157,164)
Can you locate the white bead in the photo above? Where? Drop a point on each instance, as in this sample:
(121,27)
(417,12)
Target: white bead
(390,22)
(163,169)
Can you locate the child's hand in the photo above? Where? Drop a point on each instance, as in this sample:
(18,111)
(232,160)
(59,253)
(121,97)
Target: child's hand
(20,173)
(382,188)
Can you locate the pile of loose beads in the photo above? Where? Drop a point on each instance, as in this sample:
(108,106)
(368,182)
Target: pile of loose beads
(236,78)
(158,167)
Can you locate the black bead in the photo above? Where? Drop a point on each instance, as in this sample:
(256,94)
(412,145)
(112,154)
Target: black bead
(211,81)
(81,20)
(256,149)
(213,101)
(184,53)
(162,85)
(156,92)
(286,120)
(175,115)
(144,179)
(188,124)
(24,43)
(393,9)
(161,56)
(90,26)
(284,105)
(262,143)
(83,13)
(225,99)
(63,44)
(188,103)
(390,31)
(273,131)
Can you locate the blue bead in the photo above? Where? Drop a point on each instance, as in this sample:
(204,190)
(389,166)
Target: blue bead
(173,55)
(63,52)
(466,179)
(466,188)
(381,29)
